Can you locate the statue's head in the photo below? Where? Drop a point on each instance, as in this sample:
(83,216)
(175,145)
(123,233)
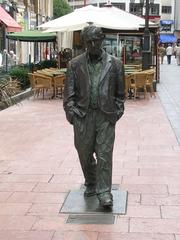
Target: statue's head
(92,37)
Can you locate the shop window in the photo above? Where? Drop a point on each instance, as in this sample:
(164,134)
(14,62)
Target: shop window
(110,46)
(166,27)
(127,48)
(167,9)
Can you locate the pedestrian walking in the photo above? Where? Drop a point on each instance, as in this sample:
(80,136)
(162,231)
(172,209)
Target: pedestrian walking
(162,52)
(12,59)
(169,53)
(177,52)
(5,60)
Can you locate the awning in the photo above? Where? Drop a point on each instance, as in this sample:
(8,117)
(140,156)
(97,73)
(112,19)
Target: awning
(166,22)
(11,24)
(167,38)
(32,36)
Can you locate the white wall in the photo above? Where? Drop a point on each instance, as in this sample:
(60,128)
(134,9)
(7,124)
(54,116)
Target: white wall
(177,15)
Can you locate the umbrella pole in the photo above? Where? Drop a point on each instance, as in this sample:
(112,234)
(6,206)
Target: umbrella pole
(29,55)
(40,51)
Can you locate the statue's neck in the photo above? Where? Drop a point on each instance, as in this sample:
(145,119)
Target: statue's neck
(95,57)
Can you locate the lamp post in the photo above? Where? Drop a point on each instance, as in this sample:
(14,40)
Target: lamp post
(146,40)
(146,51)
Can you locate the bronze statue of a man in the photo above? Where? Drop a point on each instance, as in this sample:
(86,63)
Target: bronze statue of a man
(94,101)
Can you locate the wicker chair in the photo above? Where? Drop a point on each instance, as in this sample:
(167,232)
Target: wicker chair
(138,84)
(59,85)
(42,83)
(149,83)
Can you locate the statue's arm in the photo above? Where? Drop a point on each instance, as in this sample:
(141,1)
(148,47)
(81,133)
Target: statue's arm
(120,90)
(69,93)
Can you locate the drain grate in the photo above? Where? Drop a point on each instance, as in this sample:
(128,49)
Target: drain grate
(91,219)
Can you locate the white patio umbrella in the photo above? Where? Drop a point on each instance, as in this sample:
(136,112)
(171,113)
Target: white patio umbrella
(106,17)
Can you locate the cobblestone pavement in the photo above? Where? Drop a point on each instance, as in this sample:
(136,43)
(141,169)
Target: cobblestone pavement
(39,165)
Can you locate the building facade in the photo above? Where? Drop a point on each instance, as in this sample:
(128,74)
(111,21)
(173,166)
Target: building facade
(32,13)
(167,22)
(8,12)
(133,6)
(28,14)
(177,19)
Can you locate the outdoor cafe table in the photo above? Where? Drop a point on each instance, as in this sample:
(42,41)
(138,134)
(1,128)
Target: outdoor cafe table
(52,72)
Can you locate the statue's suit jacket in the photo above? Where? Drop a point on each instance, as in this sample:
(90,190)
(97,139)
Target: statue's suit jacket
(111,90)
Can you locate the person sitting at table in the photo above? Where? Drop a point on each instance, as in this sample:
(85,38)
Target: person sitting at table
(135,54)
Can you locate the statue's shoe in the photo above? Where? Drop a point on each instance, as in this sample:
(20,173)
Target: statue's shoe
(105,199)
(90,191)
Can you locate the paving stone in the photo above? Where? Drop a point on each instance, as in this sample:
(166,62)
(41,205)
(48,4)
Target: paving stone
(145,188)
(143,211)
(33,197)
(39,209)
(26,235)
(150,225)
(170,212)
(161,200)
(24,178)
(4,196)
(75,235)
(133,236)
(18,187)
(14,209)
(16,222)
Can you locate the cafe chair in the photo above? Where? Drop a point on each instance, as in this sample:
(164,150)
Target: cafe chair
(128,81)
(31,80)
(149,83)
(34,86)
(59,85)
(138,84)
(43,84)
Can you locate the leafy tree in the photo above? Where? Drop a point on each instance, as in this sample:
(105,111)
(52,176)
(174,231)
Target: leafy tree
(60,8)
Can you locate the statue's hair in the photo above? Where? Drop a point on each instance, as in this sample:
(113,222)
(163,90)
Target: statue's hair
(91,32)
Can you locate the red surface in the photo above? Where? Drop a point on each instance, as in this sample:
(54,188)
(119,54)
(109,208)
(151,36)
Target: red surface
(39,165)
(11,24)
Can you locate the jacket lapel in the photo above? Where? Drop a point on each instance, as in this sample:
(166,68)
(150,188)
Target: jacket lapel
(106,65)
(84,68)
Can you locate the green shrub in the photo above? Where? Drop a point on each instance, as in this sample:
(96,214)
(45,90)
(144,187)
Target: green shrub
(48,63)
(21,74)
(6,93)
